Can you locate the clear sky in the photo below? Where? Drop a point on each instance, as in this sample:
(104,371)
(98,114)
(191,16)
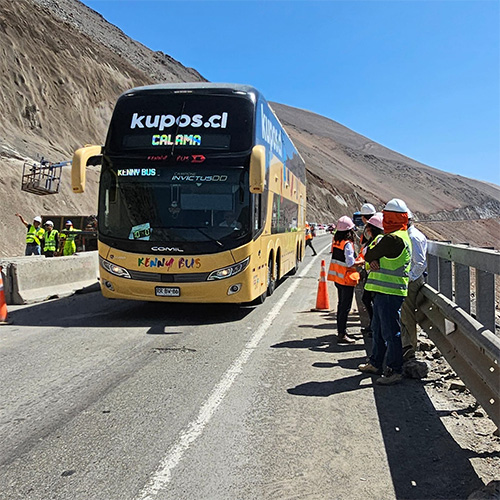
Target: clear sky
(420,77)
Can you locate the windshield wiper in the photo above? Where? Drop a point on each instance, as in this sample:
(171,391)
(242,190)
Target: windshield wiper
(211,238)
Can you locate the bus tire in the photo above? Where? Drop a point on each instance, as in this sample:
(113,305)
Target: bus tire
(259,300)
(271,277)
(295,269)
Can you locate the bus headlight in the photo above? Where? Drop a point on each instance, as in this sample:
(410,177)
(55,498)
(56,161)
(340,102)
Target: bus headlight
(114,269)
(227,272)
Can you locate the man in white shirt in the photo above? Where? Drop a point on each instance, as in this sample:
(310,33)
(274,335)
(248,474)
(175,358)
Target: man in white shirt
(417,280)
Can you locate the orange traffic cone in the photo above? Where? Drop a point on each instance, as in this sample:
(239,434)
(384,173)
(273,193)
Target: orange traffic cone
(322,300)
(3,304)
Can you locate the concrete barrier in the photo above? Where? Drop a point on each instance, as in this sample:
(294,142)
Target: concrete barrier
(37,278)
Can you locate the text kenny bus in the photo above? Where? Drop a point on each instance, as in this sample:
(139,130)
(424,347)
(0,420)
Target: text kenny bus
(201,198)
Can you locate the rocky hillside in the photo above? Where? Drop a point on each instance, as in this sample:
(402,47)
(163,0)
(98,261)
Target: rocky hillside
(349,165)
(62,67)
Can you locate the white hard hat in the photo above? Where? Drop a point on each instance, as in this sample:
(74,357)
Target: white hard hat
(37,219)
(49,223)
(410,215)
(396,205)
(367,209)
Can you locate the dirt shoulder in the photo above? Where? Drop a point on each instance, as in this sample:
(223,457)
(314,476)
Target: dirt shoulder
(439,441)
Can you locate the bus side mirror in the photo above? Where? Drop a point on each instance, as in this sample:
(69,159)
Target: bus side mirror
(80,161)
(258,169)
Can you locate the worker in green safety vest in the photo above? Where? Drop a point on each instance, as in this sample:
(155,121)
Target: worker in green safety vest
(389,257)
(50,239)
(33,236)
(67,243)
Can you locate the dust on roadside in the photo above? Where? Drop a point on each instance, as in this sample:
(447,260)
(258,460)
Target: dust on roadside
(439,441)
(466,421)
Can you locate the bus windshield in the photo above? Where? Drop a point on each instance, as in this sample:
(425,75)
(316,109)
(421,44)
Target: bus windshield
(175,204)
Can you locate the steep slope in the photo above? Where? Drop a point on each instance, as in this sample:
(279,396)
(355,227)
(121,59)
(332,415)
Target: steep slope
(366,170)
(158,66)
(58,86)
(62,66)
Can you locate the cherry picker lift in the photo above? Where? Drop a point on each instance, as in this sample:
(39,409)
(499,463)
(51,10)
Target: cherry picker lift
(42,177)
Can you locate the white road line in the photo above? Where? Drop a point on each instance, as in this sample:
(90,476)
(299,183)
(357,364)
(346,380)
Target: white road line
(163,474)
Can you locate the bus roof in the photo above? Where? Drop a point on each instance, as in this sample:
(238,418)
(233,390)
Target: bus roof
(195,86)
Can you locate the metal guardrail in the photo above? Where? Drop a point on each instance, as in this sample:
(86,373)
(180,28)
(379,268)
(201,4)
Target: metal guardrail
(449,268)
(444,311)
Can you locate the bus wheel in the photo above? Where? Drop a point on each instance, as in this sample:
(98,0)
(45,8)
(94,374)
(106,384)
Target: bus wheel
(297,263)
(271,276)
(259,300)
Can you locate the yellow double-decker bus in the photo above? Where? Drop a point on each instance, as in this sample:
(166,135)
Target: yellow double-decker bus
(202,195)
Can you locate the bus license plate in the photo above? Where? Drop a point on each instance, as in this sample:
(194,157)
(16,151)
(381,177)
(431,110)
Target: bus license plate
(168,291)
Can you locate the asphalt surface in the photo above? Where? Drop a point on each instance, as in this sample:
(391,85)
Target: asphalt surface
(123,400)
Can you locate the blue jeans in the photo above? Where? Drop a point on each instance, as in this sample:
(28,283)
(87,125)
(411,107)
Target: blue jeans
(386,326)
(32,249)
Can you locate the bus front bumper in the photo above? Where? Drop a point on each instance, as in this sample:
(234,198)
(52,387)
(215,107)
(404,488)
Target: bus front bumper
(243,287)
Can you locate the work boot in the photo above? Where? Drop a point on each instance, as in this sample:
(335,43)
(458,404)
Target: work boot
(369,368)
(345,339)
(390,377)
(408,352)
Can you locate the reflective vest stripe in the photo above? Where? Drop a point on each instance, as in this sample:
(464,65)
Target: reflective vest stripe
(400,271)
(396,286)
(338,262)
(334,273)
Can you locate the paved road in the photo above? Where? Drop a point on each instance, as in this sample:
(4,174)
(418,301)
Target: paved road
(128,400)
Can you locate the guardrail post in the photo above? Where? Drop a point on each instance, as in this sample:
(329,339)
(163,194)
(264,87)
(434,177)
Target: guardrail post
(445,278)
(485,299)
(433,271)
(462,286)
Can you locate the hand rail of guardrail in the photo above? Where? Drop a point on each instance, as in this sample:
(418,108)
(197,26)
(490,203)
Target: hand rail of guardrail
(470,345)
(449,273)
(470,348)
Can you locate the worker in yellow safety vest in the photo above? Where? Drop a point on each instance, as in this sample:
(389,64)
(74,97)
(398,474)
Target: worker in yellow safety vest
(67,239)
(33,236)
(50,239)
(389,257)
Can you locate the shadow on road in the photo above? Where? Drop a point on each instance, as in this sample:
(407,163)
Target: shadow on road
(93,310)
(424,459)
(324,389)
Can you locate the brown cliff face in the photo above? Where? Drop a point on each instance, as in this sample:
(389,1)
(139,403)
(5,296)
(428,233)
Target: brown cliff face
(361,169)
(58,87)
(62,68)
